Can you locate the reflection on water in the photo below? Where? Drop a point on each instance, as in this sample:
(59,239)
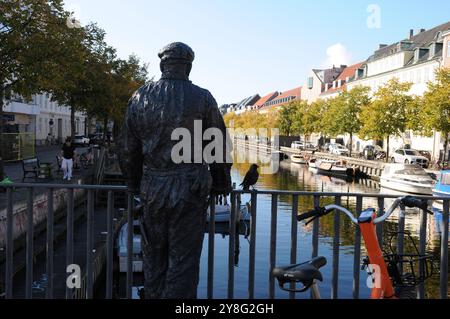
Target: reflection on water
(296,177)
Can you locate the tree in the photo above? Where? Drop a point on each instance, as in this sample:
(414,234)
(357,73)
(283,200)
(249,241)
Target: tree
(82,71)
(346,110)
(435,113)
(287,118)
(127,77)
(29,32)
(386,116)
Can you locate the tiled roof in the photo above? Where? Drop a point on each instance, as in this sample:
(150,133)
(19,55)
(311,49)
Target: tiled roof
(349,71)
(423,39)
(267,98)
(294,92)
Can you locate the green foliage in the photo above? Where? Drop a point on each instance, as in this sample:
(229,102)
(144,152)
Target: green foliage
(387,114)
(435,113)
(347,109)
(32,34)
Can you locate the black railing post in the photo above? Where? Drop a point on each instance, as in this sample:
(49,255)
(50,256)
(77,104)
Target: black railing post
(273,245)
(50,238)
(251,274)
(30,248)
(231,246)
(336,242)
(69,240)
(444,253)
(9,245)
(357,250)
(130,254)
(294,236)
(211,237)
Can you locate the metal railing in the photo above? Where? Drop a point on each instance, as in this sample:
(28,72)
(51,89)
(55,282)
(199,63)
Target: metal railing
(88,282)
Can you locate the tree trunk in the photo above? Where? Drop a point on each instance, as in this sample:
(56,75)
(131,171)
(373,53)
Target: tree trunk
(72,122)
(105,129)
(446,147)
(387,149)
(2,95)
(351,144)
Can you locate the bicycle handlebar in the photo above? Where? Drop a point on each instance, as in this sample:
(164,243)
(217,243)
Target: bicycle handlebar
(407,201)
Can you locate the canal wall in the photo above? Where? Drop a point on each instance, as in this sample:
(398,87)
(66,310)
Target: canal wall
(40,206)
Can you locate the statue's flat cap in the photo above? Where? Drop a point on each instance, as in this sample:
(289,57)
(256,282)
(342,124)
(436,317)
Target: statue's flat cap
(177,51)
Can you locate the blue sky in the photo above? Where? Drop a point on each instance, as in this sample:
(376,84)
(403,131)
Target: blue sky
(249,46)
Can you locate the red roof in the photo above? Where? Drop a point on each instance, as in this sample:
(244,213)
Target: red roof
(349,71)
(294,92)
(267,98)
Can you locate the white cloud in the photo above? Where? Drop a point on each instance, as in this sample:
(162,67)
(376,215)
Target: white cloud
(337,54)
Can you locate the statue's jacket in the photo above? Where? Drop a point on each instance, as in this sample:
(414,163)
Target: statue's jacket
(154,112)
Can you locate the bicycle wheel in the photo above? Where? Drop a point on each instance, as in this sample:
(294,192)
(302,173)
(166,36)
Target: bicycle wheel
(407,293)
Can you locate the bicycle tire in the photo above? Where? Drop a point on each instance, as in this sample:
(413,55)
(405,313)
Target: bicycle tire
(407,293)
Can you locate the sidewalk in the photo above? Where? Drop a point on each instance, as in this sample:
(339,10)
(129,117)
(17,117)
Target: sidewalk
(44,154)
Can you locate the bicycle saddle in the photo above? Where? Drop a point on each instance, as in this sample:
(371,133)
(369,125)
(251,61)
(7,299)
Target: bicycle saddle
(304,273)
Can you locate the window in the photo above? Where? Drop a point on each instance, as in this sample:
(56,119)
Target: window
(310,82)
(448,49)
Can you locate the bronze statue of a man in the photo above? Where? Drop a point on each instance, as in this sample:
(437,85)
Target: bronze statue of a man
(175,194)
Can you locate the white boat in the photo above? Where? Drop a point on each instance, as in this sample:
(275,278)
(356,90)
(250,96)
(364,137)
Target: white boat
(137,249)
(298,159)
(407,178)
(442,188)
(312,163)
(223,213)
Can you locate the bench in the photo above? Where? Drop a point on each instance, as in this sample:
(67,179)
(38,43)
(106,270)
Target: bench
(30,166)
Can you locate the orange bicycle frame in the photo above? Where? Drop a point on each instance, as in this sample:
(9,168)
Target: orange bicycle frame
(385,290)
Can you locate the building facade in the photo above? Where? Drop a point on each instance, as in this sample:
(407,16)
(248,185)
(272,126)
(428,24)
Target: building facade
(41,117)
(413,60)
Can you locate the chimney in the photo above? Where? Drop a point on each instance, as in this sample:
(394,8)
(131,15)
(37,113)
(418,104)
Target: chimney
(411,33)
(422,30)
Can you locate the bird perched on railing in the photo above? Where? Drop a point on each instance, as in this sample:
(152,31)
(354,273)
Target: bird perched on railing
(251,178)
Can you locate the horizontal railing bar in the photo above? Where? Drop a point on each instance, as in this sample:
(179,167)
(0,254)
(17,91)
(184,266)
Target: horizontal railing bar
(262,192)
(66,186)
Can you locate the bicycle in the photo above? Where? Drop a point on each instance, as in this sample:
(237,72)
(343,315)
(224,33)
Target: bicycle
(393,283)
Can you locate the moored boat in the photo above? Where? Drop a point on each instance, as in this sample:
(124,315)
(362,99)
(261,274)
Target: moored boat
(223,213)
(407,178)
(298,159)
(334,168)
(442,187)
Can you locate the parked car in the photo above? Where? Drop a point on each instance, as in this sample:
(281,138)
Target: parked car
(340,150)
(408,156)
(81,140)
(298,145)
(426,154)
(326,147)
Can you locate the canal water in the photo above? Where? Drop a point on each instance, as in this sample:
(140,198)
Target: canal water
(296,177)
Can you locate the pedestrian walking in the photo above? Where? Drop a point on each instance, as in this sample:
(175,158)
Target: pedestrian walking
(68,155)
